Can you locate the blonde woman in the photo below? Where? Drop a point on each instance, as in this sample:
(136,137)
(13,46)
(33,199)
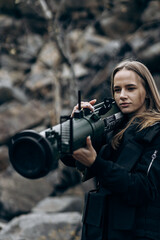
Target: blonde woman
(128,168)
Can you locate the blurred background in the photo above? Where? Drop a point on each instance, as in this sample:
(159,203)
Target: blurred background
(50,49)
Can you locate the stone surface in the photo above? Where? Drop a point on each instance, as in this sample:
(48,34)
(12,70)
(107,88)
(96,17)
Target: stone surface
(50,49)
(59,204)
(43,226)
(15,117)
(4,161)
(19,195)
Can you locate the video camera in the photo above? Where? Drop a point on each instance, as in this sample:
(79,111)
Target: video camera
(34,155)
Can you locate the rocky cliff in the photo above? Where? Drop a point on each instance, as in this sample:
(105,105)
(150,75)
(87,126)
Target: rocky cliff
(50,49)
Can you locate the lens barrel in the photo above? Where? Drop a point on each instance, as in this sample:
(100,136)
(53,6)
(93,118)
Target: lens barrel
(31,155)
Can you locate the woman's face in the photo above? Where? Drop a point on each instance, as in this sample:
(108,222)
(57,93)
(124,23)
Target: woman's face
(129,92)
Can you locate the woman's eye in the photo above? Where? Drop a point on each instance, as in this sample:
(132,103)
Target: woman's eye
(117,90)
(131,89)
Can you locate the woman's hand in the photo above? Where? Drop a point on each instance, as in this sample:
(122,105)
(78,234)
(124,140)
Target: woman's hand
(85,105)
(86,155)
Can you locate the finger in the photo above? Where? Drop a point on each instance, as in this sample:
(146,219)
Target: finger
(87,105)
(92,102)
(74,109)
(88,142)
(77,154)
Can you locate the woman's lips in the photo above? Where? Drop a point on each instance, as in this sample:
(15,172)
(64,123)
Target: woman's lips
(124,104)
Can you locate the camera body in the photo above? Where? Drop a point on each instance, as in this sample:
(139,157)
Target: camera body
(33,155)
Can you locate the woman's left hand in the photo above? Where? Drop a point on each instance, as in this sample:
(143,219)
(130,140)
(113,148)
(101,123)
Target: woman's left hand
(86,155)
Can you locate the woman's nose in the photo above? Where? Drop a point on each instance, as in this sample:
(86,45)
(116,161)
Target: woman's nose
(123,94)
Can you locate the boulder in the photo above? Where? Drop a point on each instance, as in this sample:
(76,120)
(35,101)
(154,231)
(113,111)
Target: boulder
(16,117)
(4,161)
(38,79)
(19,195)
(8,91)
(59,204)
(44,226)
(28,47)
(49,56)
(38,10)
(151,13)
(151,56)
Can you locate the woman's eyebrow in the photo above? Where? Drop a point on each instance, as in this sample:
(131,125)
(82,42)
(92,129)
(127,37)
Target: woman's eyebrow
(131,85)
(127,85)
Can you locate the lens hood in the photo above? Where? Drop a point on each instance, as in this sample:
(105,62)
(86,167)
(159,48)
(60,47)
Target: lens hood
(31,155)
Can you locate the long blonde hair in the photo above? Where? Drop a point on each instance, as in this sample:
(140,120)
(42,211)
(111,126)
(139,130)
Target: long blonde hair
(152,114)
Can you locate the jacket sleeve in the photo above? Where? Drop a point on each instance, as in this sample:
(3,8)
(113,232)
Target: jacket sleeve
(69,161)
(139,185)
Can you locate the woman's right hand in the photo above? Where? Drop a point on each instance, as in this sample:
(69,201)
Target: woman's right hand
(88,105)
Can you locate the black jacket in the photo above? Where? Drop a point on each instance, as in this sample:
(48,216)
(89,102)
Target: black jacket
(132,177)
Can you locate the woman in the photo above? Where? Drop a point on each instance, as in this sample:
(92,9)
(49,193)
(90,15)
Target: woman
(128,168)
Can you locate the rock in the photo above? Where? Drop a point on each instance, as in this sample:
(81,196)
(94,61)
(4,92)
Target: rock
(17,78)
(113,27)
(19,195)
(8,91)
(37,82)
(152,12)
(122,20)
(84,43)
(43,84)
(125,10)
(96,82)
(5,22)
(65,74)
(12,63)
(84,4)
(40,81)
(142,39)
(50,56)
(99,58)
(38,10)
(28,47)
(151,56)
(79,70)
(2,225)
(6,88)
(59,204)
(4,161)
(16,117)
(7,4)
(44,226)
(75,39)
(95,39)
